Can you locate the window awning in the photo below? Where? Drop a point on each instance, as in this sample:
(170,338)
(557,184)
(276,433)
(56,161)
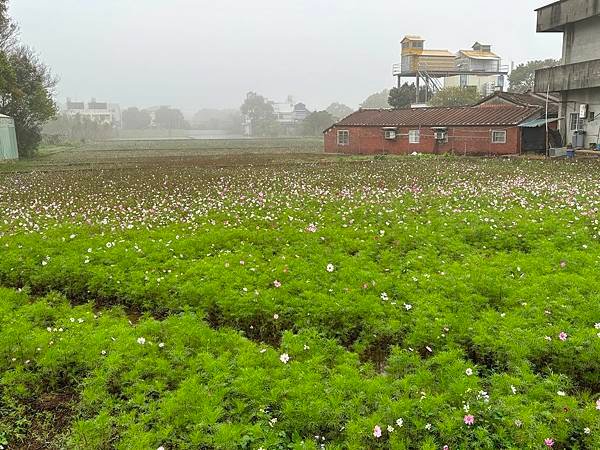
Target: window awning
(537,123)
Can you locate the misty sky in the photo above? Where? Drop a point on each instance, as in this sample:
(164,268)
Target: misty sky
(194,54)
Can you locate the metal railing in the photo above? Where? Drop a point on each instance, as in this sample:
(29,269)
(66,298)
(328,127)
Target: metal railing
(431,70)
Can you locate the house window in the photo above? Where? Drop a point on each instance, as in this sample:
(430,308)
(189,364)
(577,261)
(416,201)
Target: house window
(390,134)
(343,137)
(414,136)
(575,123)
(498,137)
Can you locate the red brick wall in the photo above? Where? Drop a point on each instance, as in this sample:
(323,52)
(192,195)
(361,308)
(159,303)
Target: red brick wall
(461,140)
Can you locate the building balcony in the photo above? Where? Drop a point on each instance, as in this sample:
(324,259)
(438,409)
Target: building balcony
(554,17)
(583,75)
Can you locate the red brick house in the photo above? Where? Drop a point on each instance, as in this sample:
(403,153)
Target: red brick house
(469,130)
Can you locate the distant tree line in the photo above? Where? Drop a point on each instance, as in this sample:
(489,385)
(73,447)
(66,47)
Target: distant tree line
(71,129)
(26,86)
(164,118)
(258,116)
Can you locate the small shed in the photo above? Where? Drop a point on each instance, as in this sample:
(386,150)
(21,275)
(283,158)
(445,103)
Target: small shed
(8,139)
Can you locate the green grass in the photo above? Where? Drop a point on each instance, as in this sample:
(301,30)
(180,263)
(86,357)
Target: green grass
(421,289)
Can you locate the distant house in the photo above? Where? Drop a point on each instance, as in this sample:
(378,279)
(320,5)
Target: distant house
(100,112)
(288,114)
(482,69)
(8,139)
(469,130)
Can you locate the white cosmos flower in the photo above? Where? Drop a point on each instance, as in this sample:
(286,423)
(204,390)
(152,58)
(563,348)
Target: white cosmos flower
(330,268)
(141,340)
(284,358)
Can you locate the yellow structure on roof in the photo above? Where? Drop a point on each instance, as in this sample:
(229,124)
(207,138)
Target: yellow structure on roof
(415,58)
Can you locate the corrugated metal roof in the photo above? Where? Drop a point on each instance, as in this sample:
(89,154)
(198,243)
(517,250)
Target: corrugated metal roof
(412,37)
(479,55)
(526,99)
(420,52)
(459,116)
(537,123)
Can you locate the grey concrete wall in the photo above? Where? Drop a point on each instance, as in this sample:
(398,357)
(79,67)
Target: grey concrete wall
(555,16)
(570,103)
(583,75)
(581,41)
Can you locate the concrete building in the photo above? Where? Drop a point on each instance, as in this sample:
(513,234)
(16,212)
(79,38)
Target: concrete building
(8,139)
(485,129)
(101,112)
(577,79)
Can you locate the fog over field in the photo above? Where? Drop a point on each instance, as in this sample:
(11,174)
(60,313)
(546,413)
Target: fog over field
(196,54)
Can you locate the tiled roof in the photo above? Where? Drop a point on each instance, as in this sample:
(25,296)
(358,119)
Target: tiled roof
(458,116)
(526,99)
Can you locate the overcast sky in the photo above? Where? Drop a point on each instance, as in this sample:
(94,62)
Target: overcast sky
(198,53)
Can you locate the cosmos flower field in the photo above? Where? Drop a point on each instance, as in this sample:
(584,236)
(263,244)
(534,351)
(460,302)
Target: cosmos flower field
(430,303)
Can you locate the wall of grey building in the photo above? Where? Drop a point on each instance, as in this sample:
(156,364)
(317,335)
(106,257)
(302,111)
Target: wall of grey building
(571,102)
(581,41)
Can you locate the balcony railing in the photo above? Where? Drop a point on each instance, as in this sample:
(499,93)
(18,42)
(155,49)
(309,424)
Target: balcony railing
(502,70)
(583,75)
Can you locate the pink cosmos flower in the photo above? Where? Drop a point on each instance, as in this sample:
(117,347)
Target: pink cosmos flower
(469,419)
(445,447)
(377,431)
(549,442)
(277,284)
(563,336)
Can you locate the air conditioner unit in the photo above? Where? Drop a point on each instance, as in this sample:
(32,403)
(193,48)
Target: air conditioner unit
(440,135)
(390,133)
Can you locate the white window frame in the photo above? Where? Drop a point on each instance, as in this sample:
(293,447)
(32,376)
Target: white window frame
(574,119)
(497,141)
(414,136)
(344,141)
